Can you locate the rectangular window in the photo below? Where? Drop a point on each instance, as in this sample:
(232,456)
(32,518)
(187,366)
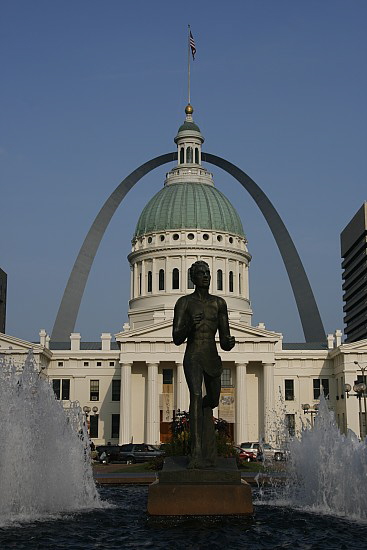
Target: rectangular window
(226,378)
(86,363)
(167,376)
(116,388)
(115,426)
(112,363)
(99,363)
(319,385)
(94,390)
(60,364)
(290,422)
(325,387)
(93,425)
(56,386)
(65,390)
(61,389)
(316,388)
(289,390)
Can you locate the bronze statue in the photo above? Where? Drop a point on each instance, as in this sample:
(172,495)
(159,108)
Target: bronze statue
(197,317)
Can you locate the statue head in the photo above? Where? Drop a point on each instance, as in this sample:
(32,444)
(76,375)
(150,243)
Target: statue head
(200,273)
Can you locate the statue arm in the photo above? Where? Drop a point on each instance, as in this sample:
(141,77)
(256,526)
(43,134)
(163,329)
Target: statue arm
(226,340)
(180,330)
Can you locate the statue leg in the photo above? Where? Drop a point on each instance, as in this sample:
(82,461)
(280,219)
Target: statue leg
(210,401)
(194,376)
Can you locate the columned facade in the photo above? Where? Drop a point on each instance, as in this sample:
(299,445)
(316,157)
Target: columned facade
(125,404)
(241,403)
(152,404)
(268,396)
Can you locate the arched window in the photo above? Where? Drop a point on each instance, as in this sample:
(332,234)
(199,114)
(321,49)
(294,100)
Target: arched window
(175,278)
(182,155)
(161,279)
(196,155)
(189,155)
(190,284)
(219,279)
(239,284)
(150,281)
(231,281)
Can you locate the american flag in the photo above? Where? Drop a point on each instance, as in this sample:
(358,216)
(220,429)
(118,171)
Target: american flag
(192,45)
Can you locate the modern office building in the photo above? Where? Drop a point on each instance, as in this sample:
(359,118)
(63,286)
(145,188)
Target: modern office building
(3,287)
(354,253)
(133,383)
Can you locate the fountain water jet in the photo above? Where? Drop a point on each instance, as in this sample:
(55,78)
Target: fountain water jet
(44,459)
(327,470)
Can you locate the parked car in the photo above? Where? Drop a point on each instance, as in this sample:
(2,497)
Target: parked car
(263,450)
(129,453)
(247,456)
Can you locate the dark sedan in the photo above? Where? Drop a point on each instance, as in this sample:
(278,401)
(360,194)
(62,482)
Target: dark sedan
(129,453)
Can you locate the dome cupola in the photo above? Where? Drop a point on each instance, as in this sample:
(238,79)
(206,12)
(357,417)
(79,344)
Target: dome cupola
(187,220)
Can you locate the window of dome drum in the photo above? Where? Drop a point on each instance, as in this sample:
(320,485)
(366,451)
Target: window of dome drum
(189,155)
(150,240)
(196,155)
(190,236)
(140,284)
(205,236)
(182,155)
(231,281)
(161,279)
(230,240)
(219,238)
(239,284)
(190,284)
(219,279)
(162,237)
(175,279)
(150,281)
(176,236)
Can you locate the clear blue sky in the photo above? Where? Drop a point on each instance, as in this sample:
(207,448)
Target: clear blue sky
(92,89)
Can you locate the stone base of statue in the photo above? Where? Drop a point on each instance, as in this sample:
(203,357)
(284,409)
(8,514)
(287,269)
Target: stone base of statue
(217,491)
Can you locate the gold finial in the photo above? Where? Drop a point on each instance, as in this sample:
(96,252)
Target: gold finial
(189,109)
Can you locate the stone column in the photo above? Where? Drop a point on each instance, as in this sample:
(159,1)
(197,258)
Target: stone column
(182,391)
(152,402)
(125,404)
(241,403)
(268,405)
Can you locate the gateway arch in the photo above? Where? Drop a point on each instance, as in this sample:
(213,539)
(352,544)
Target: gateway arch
(69,307)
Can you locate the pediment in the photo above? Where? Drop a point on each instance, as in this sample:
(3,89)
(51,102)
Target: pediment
(359,345)
(155,331)
(163,330)
(13,344)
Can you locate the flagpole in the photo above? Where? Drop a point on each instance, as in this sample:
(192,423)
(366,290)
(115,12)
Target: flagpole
(188,61)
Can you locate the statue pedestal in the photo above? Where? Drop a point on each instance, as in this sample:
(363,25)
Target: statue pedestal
(215,492)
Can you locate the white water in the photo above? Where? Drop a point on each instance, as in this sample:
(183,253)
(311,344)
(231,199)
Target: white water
(45,466)
(327,471)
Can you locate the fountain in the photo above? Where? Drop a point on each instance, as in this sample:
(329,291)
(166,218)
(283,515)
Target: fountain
(48,498)
(44,460)
(327,470)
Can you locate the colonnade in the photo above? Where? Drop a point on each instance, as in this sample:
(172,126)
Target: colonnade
(152,410)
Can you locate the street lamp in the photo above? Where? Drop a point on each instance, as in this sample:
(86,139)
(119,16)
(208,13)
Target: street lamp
(87,411)
(360,391)
(307,410)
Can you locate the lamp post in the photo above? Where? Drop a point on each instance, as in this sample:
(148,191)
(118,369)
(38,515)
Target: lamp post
(87,411)
(360,390)
(307,410)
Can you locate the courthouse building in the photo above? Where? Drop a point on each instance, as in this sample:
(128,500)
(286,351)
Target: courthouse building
(134,382)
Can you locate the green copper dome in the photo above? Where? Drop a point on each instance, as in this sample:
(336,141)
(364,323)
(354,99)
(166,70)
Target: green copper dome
(189,205)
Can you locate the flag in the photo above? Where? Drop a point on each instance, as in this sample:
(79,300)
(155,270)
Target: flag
(192,45)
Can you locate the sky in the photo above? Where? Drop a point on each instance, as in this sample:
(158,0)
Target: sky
(91,89)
